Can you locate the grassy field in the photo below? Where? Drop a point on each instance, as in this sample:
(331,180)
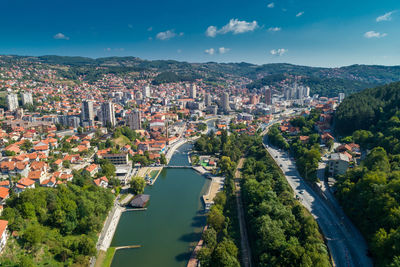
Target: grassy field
(104,259)
(122,140)
(154,173)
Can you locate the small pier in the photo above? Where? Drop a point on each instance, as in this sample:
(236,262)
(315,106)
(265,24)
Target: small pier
(138,209)
(127,247)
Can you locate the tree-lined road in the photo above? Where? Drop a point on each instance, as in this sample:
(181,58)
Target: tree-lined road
(346,245)
(244,239)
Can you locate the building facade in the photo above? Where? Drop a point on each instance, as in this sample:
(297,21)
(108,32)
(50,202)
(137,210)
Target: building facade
(108,114)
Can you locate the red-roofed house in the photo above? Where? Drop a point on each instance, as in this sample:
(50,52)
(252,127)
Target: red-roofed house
(102,181)
(37,176)
(92,169)
(49,182)
(23,184)
(3,234)
(4,194)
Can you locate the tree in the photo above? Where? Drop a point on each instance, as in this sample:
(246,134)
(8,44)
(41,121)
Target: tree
(330,144)
(107,169)
(66,164)
(210,238)
(225,254)
(216,219)
(33,235)
(137,185)
(163,159)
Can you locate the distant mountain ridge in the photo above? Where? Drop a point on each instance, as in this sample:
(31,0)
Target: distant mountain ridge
(322,80)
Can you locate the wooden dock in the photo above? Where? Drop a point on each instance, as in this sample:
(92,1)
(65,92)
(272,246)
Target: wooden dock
(138,209)
(127,247)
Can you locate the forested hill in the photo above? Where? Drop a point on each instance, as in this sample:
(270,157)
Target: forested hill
(376,109)
(370,193)
(323,81)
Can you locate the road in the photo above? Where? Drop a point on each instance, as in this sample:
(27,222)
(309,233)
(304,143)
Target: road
(244,240)
(345,243)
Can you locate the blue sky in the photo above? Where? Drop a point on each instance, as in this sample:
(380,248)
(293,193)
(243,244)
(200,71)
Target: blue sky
(307,32)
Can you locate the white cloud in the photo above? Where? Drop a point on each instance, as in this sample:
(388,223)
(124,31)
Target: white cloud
(108,49)
(166,35)
(149,29)
(301,13)
(374,34)
(271,5)
(211,31)
(179,51)
(181,34)
(278,52)
(60,36)
(210,51)
(235,26)
(385,17)
(223,50)
(274,29)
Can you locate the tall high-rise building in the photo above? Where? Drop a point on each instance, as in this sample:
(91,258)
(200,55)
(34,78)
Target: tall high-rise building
(268,96)
(307,93)
(225,102)
(341,97)
(207,100)
(27,98)
(146,91)
(133,120)
(87,113)
(193,91)
(254,100)
(108,114)
(138,95)
(12,102)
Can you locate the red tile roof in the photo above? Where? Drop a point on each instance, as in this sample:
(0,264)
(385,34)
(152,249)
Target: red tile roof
(3,226)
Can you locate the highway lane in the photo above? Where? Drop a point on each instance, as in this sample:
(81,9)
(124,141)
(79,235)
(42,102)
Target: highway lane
(346,244)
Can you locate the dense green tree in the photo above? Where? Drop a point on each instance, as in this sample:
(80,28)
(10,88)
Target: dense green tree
(137,185)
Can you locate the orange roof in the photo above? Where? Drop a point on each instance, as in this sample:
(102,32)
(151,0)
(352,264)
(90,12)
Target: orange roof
(35,175)
(40,148)
(3,226)
(26,182)
(38,165)
(4,183)
(91,167)
(4,192)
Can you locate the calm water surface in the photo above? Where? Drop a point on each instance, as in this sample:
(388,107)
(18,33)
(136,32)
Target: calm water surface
(172,224)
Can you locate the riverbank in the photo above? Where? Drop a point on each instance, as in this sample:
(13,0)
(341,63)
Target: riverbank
(216,185)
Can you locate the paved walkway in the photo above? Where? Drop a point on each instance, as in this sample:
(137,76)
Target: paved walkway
(109,228)
(244,239)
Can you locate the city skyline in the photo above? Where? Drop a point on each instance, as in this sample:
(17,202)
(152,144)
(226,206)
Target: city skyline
(317,33)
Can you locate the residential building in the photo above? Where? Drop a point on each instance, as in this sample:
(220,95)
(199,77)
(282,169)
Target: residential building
(133,120)
(27,98)
(87,113)
(146,92)
(338,164)
(207,100)
(268,96)
(117,159)
(3,234)
(108,114)
(193,91)
(12,102)
(225,102)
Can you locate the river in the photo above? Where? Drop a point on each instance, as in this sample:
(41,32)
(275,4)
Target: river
(171,226)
